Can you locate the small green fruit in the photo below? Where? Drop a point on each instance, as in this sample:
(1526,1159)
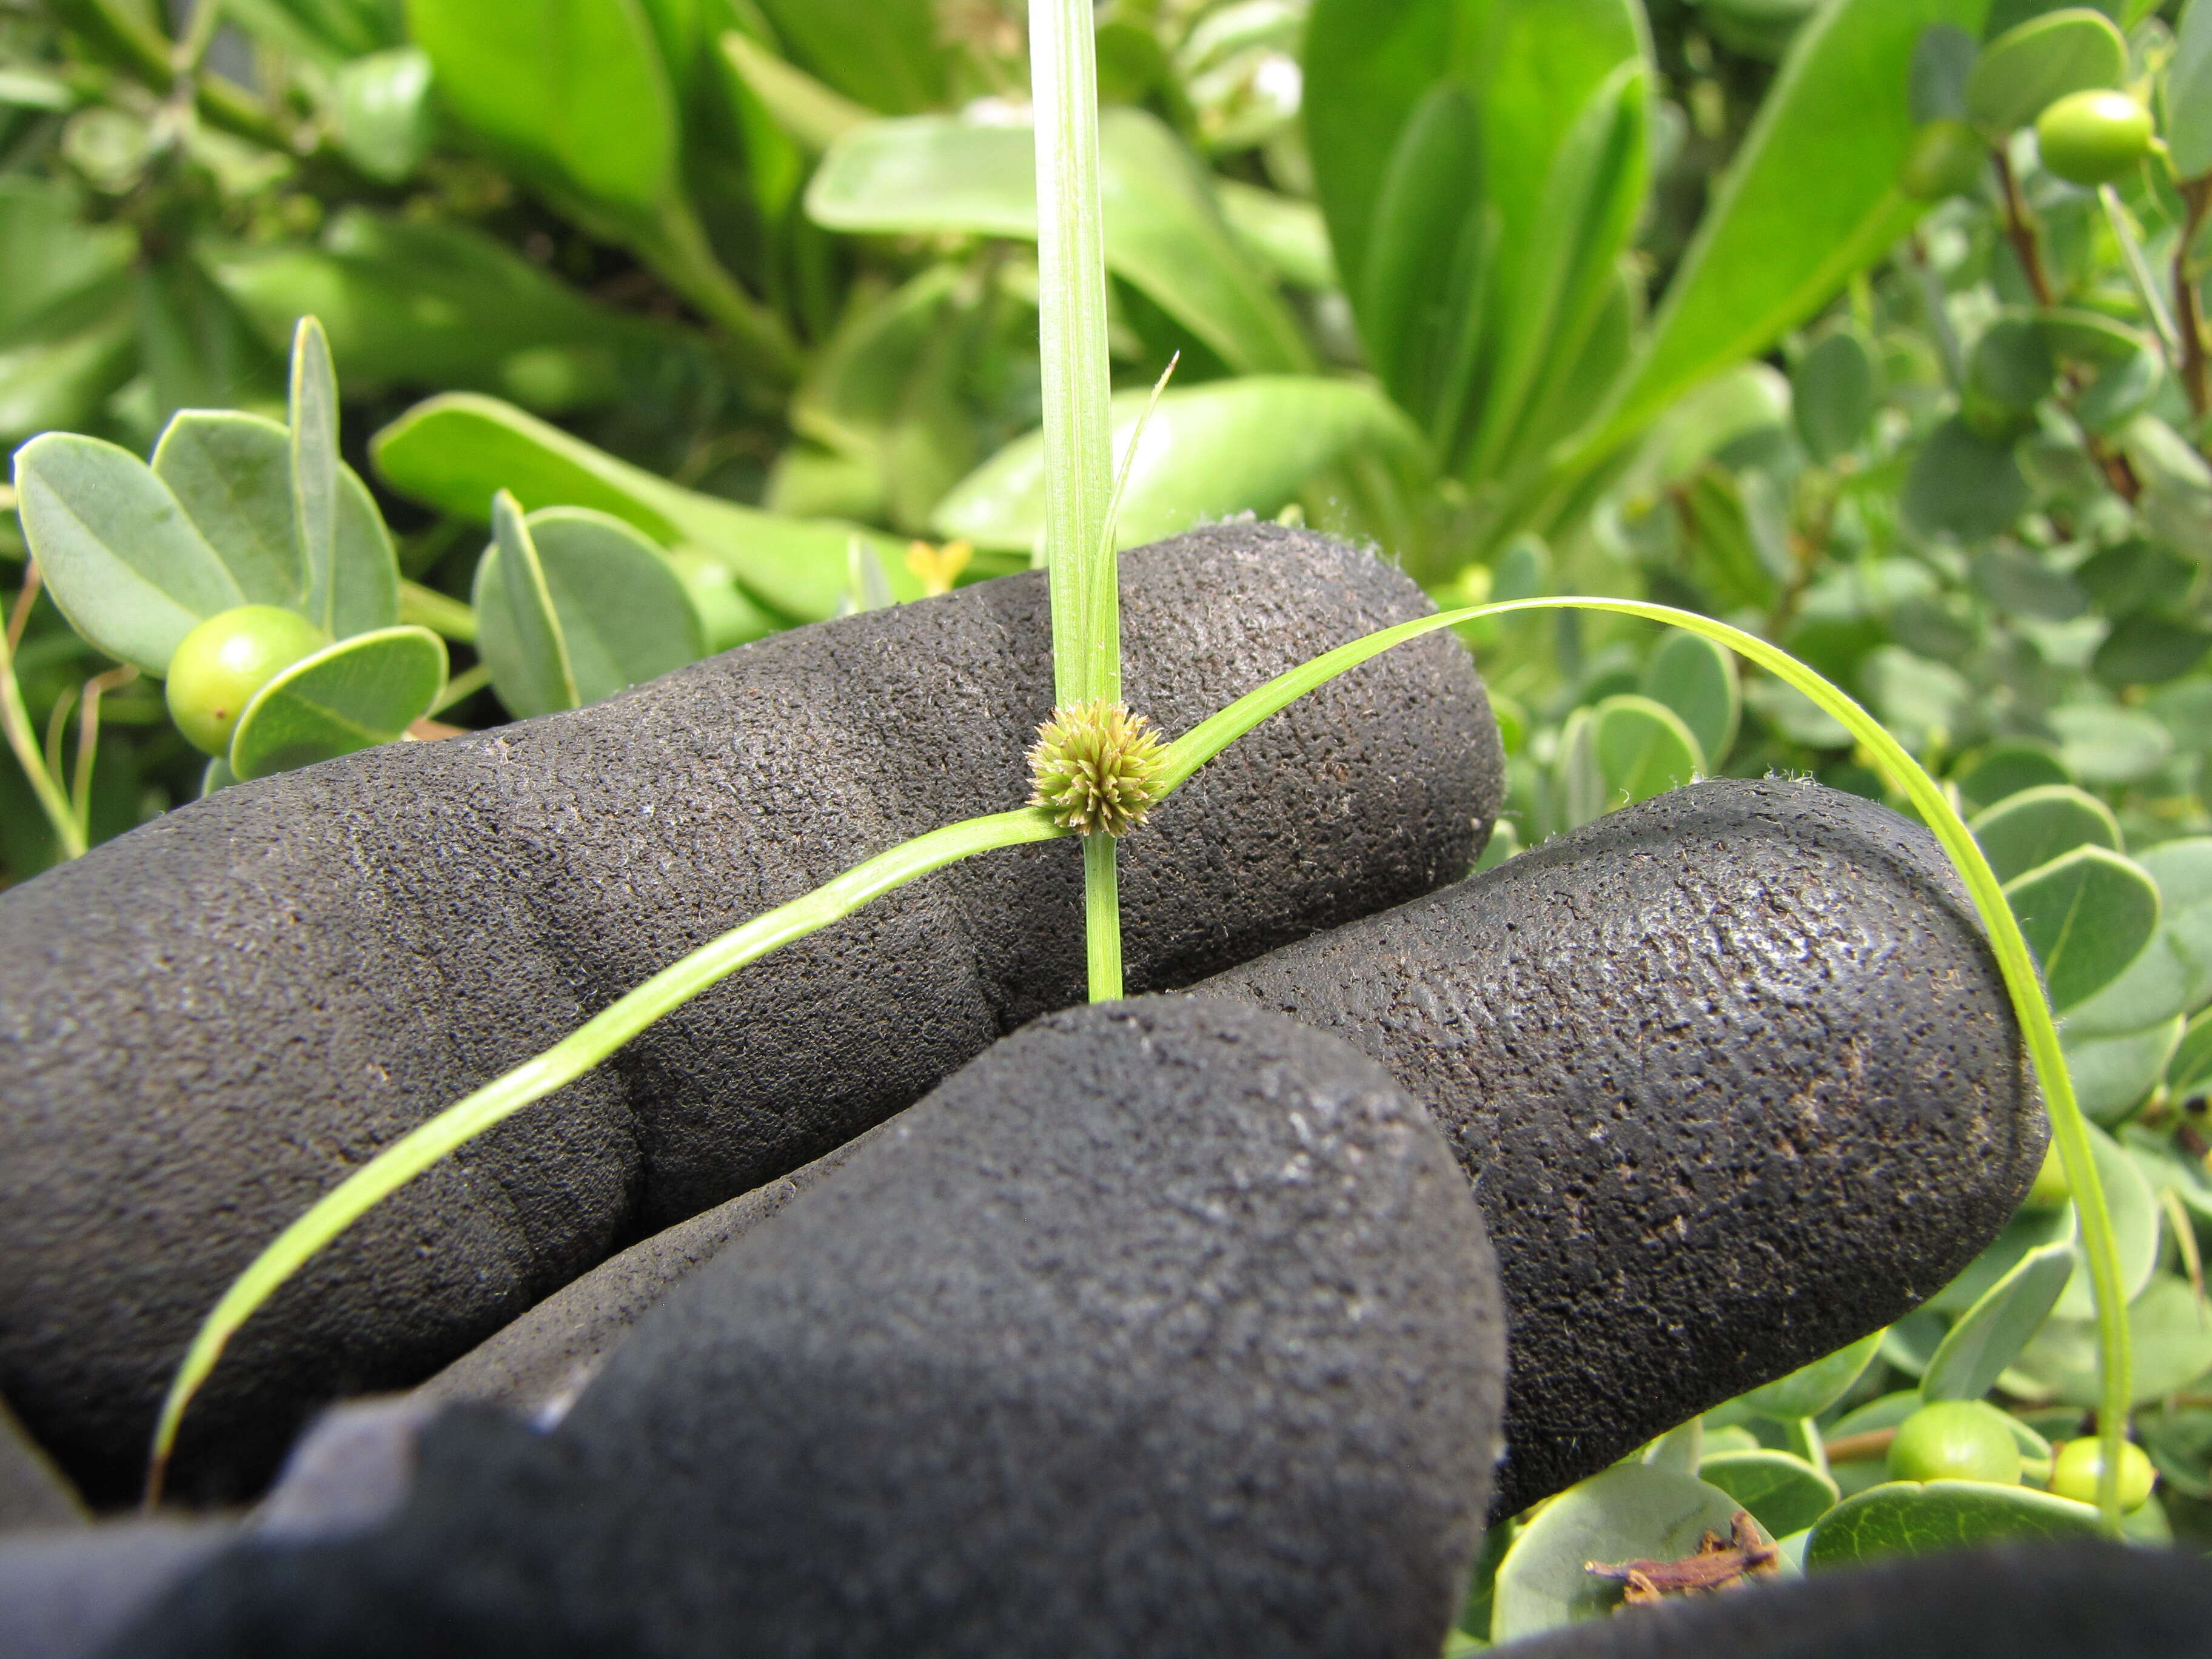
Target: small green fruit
(2073,1472)
(2092,138)
(1955,1440)
(2052,1187)
(225,660)
(1945,159)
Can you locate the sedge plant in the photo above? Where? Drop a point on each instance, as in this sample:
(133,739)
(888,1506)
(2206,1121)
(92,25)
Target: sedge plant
(1099,770)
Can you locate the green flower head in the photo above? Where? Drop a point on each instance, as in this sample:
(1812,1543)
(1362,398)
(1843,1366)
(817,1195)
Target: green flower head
(1096,766)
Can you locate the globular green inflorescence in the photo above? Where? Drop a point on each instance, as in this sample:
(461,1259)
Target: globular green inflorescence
(1096,766)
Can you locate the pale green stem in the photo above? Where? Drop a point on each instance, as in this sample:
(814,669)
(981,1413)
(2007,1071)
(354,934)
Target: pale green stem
(566,1060)
(444,616)
(1080,566)
(1102,912)
(23,740)
(2014,961)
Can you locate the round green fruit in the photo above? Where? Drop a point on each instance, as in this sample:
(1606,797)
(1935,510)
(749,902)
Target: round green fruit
(2073,1472)
(225,660)
(1945,159)
(2092,138)
(1955,1440)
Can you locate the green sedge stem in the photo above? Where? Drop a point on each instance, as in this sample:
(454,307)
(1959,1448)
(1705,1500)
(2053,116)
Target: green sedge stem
(1080,561)
(1102,914)
(567,1060)
(1080,566)
(2014,961)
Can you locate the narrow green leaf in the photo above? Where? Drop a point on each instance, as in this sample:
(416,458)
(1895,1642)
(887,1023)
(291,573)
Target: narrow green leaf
(314,410)
(120,557)
(624,612)
(1905,1517)
(453,451)
(395,1165)
(814,114)
(353,695)
(884,53)
(519,632)
(1287,234)
(1208,452)
(2086,915)
(2036,825)
(1989,1335)
(2035,63)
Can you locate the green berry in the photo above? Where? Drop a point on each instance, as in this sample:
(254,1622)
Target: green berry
(1955,1440)
(2073,1472)
(2052,1187)
(225,660)
(2092,138)
(1945,159)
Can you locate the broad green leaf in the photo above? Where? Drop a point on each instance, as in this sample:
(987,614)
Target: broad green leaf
(1530,66)
(2111,1074)
(2109,746)
(2036,825)
(1285,233)
(1989,1335)
(353,695)
(1963,484)
(2160,985)
(2171,1342)
(1642,748)
(2189,1073)
(882,52)
(2183,871)
(1696,678)
(232,473)
(1812,1388)
(2168,1163)
(1557,283)
(453,452)
(2086,915)
(802,107)
(1834,395)
(618,611)
(1784,1494)
(726,616)
(59,374)
(1206,451)
(2012,365)
(2135,1224)
(927,175)
(1885,1412)
(1629,1512)
(1749,398)
(439,305)
(1679,1449)
(1809,199)
(314,439)
(2028,1229)
(573,88)
(2180,1444)
(49,252)
(2188,98)
(365,594)
(2004,770)
(519,631)
(381,104)
(120,557)
(1906,1517)
(2039,62)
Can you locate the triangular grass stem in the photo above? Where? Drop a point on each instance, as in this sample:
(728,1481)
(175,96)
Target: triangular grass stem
(597,1039)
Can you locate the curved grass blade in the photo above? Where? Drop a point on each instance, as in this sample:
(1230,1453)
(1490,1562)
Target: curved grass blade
(2069,1127)
(575,1055)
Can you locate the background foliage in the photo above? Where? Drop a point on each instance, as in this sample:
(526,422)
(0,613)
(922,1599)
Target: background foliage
(660,325)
